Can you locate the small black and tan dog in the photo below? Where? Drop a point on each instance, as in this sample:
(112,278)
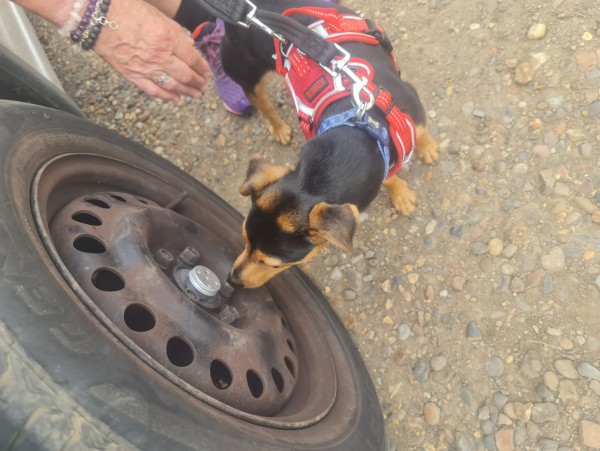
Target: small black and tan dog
(295,212)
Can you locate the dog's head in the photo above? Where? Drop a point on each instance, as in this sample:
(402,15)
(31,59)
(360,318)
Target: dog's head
(285,227)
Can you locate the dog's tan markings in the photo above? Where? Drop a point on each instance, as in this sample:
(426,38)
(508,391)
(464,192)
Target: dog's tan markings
(267,200)
(403,198)
(426,148)
(334,223)
(261,174)
(288,221)
(277,126)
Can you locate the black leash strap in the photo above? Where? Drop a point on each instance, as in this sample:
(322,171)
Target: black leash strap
(244,13)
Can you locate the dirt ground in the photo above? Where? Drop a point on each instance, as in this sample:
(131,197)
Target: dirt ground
(478,316)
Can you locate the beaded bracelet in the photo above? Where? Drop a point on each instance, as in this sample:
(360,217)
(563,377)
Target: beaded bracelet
(86,32)
(73,20)
(90,36)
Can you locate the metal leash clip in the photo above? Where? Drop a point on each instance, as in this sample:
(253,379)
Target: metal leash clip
(252,20)
(359,84)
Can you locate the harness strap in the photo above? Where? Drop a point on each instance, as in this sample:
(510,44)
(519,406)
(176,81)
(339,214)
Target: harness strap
(373,128)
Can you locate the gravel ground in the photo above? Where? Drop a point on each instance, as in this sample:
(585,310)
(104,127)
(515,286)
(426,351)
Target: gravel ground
(479,316)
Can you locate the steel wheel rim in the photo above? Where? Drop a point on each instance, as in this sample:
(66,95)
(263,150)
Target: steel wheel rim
(316,386)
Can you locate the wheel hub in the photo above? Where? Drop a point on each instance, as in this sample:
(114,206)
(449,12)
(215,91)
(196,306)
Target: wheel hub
(156,275)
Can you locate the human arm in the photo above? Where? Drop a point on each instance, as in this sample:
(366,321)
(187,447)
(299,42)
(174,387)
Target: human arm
(146,45)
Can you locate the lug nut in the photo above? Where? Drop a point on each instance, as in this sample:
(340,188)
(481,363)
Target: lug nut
(163,258)
(189,256)
(229,314)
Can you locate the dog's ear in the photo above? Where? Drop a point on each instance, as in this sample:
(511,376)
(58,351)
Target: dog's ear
(261,174)
(333,223)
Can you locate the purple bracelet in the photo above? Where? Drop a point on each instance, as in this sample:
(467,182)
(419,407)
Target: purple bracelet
(77,34)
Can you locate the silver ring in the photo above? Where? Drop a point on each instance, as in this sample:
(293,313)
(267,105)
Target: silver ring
(163,79)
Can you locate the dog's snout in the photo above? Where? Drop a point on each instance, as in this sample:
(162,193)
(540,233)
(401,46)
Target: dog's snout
(234,280)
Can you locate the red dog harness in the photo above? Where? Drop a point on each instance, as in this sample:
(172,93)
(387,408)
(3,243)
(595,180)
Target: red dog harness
(314,87)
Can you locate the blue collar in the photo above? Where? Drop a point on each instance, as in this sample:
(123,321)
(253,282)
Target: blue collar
(373,128)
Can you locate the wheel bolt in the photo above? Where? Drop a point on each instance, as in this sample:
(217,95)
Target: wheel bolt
(163,258)
(229,314)
(189,256)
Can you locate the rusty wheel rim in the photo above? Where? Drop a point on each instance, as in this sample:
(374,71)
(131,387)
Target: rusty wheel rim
(103,225)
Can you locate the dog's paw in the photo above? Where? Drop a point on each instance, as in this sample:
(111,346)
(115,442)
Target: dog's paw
(428,152)
(403,198)
(404,202)
(282,133)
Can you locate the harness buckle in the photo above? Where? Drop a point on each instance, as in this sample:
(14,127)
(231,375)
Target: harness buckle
(358,84)
(252,20)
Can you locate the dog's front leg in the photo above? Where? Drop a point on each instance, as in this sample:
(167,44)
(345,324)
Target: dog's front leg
(277,126)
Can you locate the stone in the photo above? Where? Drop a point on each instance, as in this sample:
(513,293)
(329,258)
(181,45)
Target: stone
(431,412)
(420,371)
(587,370)
(458,283)
(547,181)
(545,412)
(504,439)
(536,32)
(551,380)
(494,367)
(495,247)
(473,331)
(585,204)
(531,365)
(554,261)
(589,433)
(523,73)
(567,392)
(547,444)
(403,332)
(438,362)
(499,399)
(566,368)
(523,410)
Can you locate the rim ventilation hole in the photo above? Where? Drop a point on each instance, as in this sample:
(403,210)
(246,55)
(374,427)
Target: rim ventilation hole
(179,352)
(291,346)
(116,197)
(289,364)
(107,280)
(139,318)
(89,245)
(220,375)
(86,218)
(278,379)
(97,202)
(254,383)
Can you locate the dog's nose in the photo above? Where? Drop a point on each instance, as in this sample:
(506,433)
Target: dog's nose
(233,281)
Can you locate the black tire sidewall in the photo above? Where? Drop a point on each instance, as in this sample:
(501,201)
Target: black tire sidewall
(46,318)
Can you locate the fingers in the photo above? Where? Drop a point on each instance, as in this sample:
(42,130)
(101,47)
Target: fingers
(149,46)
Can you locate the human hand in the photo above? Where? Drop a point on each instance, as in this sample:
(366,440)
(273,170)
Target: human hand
(146,46)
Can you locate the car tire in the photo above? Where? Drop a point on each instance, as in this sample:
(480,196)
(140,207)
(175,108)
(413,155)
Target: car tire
(67,383)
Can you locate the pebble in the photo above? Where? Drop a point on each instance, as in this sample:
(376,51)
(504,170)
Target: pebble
(531,366)
(431,412)
(566,368)
(551,380)
(473,331)
(567,392)
(544,412)
(499,399)
(537,31)
(504,439)
(420,371)
(589,433)
(586,370)
(547,444)
(554,261)
(438,362)
(510,250)
(523,73)
(403,332)
(495,247)
(585,204)
(494,367)
(458,283)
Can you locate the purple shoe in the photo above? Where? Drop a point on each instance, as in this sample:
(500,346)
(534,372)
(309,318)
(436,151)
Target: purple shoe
(208,40)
